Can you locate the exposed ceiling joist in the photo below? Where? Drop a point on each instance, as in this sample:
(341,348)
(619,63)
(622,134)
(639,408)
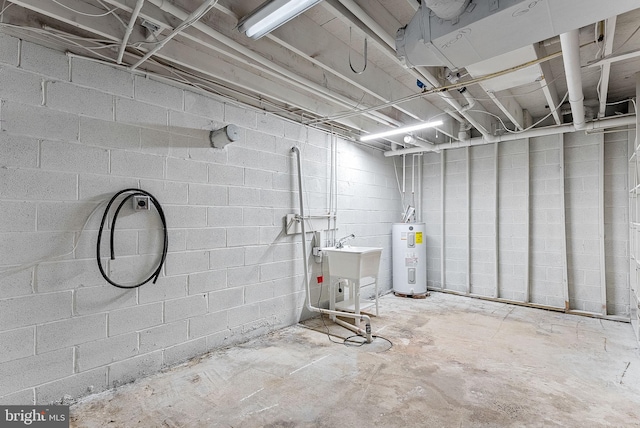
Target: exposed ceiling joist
(610,29)
(107,26)
(615,58)
(548,85)
(302,70)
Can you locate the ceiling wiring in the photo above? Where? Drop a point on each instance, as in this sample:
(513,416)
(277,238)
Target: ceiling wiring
(529,127)
(520,94)
(358,104)
(84,13)
(626,41)
(622,101)
(113,12)
(458,85)
(446,87)
(4,8)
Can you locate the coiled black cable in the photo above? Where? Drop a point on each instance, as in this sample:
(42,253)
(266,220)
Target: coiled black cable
(131,193)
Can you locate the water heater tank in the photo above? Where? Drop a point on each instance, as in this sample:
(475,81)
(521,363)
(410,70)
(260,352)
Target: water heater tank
(409,258)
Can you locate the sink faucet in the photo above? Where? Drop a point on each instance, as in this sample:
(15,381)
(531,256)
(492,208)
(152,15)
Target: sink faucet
(344,239)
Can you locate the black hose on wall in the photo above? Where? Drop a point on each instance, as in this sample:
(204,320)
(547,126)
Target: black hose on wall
(130,193)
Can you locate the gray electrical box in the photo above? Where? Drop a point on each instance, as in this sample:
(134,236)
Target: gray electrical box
(141,203)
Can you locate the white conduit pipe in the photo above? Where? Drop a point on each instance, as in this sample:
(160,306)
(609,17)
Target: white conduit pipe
(188,21)
(571,57)
(413,179)
(334,164)
(291,77)
(539,132)
(419,203)
(127,33)
(419,72)
(433,81)
(367,320)
(404,175)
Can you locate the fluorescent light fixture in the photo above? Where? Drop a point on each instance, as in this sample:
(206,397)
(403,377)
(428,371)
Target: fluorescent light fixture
(401,130)
(272,14)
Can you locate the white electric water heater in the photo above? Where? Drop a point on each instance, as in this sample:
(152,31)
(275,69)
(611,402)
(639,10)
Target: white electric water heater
(409,258)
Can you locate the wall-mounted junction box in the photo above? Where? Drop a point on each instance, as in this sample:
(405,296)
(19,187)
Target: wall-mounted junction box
(141,203)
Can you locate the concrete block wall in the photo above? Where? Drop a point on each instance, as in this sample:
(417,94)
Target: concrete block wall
(455,219)
(531,256)
(368,203)
(616,222)
(483,220)
(582,181)
(546,228)
(513,184)
(74,132)
(431,203)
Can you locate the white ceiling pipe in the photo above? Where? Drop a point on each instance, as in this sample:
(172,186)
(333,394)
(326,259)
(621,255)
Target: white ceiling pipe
(537,132)
(422,72)
(291,77)
(188,21)
(433,81)
(571,56)
(447,9)
(369,22)
(388,45)
(127,33)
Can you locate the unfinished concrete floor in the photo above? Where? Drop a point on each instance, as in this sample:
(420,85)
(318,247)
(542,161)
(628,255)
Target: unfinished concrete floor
(455,362)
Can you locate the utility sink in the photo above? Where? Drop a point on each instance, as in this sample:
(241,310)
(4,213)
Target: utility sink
(353,262)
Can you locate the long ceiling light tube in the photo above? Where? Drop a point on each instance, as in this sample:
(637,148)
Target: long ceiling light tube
(401,130)
(271,15)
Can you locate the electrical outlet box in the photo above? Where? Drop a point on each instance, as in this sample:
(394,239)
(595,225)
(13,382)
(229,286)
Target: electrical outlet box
(141,203)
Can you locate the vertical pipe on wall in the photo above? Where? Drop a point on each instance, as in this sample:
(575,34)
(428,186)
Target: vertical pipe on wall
(442,222)
(565,263)
(330,193)
(333,192)
(468,191)
(404,178)
(631,184)
(496,220)
(419,203)
(413,181)
(527,283)
(603,262)
(305,262)
(336,177)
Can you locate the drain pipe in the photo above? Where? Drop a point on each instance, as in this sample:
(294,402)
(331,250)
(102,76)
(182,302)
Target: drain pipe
(455,78)
(367,320)
(571,56)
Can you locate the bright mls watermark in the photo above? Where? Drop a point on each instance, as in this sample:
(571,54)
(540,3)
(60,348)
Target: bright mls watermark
(34,416)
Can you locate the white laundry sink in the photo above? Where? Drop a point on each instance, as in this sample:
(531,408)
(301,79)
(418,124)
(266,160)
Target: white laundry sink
(353,262)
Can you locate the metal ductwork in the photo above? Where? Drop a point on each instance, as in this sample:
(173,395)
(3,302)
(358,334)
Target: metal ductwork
(447,9)
(457,33)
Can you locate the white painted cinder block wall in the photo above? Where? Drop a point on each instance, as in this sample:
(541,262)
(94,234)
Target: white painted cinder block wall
(537,168)
(74,132)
